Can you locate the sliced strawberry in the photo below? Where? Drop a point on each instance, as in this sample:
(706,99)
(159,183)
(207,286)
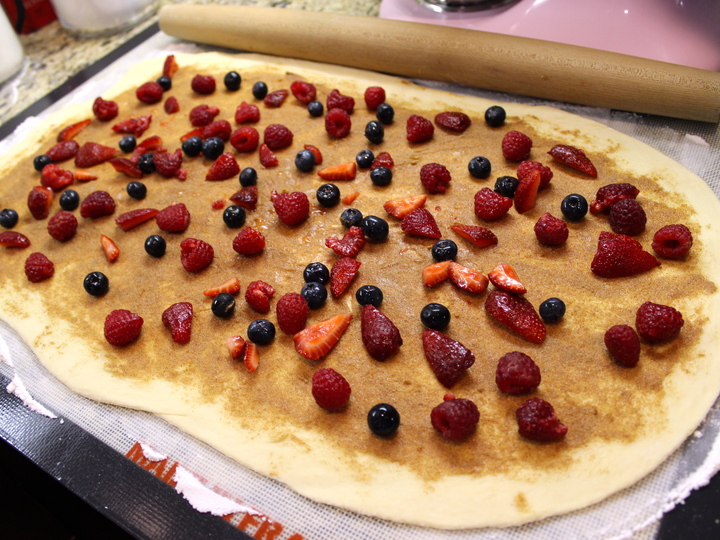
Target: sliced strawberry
(91,154)
(174,218)
(379,335)
(170,66)
(231,286)
(39,200)
(504,277)
(436,273)
(82,175)
(619,255)
(236,346)
(573,157)
(178,319)
(197,132)
(467,279)
(350,198)
(126,167)
(14,239)
(344,171)
(224,167)
(63,150)
(400,208)
(135,125)
(152,143)
(383,159)
(316,152)
(258,295)
(317,340)
(421,222)
(247,197)
(350,244)
(133,218)
(70,131)
(251,357)
(448,359)
(480,236)
(342,274)
(516,313)
(527,190)
(268,158)
(122,327)
(110,249)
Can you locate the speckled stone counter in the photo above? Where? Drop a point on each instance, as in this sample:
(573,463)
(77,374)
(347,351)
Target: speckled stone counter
(53,55)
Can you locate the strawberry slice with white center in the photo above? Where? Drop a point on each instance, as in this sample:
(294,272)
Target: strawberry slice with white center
(527,190)
(231,286)
(317,340)
(344,171)
(400,208)
(504,277)
(467,279)
(435,273)
(236,346)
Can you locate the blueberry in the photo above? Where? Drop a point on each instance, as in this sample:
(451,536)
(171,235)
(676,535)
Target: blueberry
(495,116)
(127,143)
(136,190)
(8,218)
(375,228)
(574,207)
(155,245)
(328,195)
(213,147)
(316,271)
(369,295)
(232,81)
(435,316)
(479,167)
(381,176)
(304,160)
(234,216)
(314,294)
(506,186)
(315,108)
(385,113)
(147,163)
(364,158)
(248,177)
(351,217)
(374,132)
(223,305)
(552,310)
(40,161)
(165,82)
(383,419)
(444,250)
(261,332)
(96,283)
(259,90)
(193,146)
(69,200)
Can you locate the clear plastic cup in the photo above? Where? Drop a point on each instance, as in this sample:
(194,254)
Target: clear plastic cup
(95,18)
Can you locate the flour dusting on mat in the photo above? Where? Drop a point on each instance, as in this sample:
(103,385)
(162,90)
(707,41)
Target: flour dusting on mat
(150,453)
(17,387)
(204,499)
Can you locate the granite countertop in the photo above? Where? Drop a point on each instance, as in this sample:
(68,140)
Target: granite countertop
(53,55)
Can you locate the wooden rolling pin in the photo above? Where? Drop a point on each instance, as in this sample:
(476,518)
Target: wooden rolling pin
(517,65)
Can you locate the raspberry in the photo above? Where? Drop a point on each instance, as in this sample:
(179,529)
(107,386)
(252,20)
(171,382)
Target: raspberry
(374,97)
(657,323)
(38,201)
(330,389)
(202,115)
(247,113)
(537,421)
(303,91)
(277,137)
(435,178)
(627,217)
(178,319)
(248,242)
(62,226)
(383,159)
(551,231)
(122,327)
(349,245)
(219,128)
(292,312)
(245,139)
(168,165)
(517,374)
(203,84)
(336,100)
(258,295)
(623,344)
(55,178)
(421,222)
(608,195)
(337,123)
(171,105)
(174,218)
(419,129)
(97,204)
(453,121)
(195,254)
(490,206)
(224,167)
(104,110)
(275,99)
(672,241)
(63,150)
(516,146)
(150,92)
(448,359)
(38,267)
(292,208)
(525,167)
(455,419)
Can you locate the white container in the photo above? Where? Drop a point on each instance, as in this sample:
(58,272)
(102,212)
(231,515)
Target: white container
(93,18)
(11,52)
